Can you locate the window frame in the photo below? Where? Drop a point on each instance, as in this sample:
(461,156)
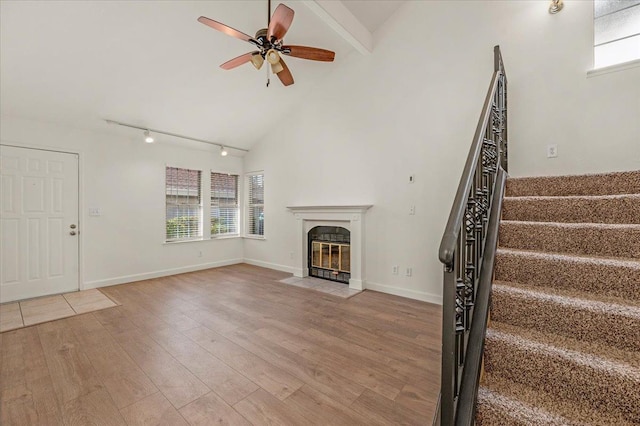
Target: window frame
(237,206)
(248,205)
(603,67)
(200,207)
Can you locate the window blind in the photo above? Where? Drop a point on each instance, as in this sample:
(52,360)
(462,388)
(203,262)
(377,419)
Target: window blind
(183,204)
(616,32)
(255,204)
(224,204)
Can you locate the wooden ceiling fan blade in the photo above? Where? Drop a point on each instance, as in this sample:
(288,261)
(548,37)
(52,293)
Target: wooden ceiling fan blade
(224,28)
(280,22)
(236,62)
(312,53)
(285,75)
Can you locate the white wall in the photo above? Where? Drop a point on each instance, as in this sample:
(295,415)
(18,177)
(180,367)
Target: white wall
(411,108)
(125,177)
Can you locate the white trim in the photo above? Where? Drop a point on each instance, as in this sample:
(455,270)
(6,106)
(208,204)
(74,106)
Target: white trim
(157,274)
(405,292)
(283,268)
(613,68)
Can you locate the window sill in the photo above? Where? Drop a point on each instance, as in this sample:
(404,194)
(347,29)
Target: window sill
(226,237)
(254,237)
(195,240)
(613,68)
(199,240)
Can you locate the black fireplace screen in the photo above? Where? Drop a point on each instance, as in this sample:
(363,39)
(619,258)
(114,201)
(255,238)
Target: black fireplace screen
(330,253)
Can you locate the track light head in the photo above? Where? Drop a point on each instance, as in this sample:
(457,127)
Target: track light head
(223,151)
(147,137)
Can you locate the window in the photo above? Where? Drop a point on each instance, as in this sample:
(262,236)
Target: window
(184,204)
(616,32)
(224,204)
(255,204)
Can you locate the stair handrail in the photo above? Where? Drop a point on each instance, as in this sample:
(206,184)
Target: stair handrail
(467,251)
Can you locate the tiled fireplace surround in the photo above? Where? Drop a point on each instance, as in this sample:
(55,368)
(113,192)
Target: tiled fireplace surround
(349,217)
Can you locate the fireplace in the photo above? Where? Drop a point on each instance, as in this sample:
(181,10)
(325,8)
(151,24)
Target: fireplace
(329,249)
(351,218)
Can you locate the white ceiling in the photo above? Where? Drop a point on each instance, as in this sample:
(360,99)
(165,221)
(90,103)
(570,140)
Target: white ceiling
(151,63)
(373,13)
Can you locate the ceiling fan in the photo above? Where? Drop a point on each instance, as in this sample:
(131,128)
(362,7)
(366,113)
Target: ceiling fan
(270,44)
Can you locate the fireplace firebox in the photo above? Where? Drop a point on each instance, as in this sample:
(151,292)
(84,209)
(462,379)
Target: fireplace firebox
(330,253)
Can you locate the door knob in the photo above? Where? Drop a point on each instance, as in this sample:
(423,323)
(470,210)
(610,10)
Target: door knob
(72,233)
(72,226)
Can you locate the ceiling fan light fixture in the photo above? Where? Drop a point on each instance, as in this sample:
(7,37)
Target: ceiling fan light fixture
(257,60)
(272,56)
(555,6)
(147,137)
(223,151)
(276,68)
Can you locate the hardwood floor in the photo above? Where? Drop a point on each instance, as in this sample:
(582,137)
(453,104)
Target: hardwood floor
(226,346)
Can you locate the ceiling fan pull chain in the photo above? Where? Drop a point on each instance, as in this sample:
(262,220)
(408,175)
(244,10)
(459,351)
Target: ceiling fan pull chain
(268,80)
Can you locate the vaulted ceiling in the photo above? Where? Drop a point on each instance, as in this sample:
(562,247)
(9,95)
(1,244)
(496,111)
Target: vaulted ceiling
(152,64)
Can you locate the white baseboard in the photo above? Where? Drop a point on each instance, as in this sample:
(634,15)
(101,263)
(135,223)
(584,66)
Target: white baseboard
(405,292)
(157,274)
(277,267)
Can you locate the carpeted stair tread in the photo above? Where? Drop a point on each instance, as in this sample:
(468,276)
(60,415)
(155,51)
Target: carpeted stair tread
(599,239)
(568,313)
(571,343)
(623,208)
(577,376)
(593,184)
(613,277)
(504,402)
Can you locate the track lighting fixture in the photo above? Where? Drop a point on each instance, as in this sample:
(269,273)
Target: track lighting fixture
(147,137)
(555,6)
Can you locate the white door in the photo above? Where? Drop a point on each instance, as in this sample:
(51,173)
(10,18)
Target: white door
(38,222)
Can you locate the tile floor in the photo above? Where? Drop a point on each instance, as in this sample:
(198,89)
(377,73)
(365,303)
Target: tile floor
(35,311)
(324,286)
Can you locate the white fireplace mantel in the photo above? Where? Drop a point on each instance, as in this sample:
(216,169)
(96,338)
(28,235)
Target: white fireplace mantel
(349,217)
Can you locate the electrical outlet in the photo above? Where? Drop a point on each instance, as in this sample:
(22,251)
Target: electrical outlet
(200,253)
(552,150)
(408,272)
(395,269)
(412,210)
(290,255)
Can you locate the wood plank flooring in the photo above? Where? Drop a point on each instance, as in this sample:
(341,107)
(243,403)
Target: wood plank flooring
(226,346)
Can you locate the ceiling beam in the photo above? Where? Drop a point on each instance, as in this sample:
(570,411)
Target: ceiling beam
(337,16)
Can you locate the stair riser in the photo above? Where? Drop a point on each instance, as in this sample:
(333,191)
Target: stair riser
(489,415)
(623,209)
(593,240)
(564,378)
(595,277)
(602,326)
(604,184)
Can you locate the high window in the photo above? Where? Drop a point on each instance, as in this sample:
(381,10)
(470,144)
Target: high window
(224,204)
(183,204)
(616,32)
(255,204)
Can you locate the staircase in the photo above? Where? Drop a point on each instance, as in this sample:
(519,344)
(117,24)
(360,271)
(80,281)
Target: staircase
(563,342)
